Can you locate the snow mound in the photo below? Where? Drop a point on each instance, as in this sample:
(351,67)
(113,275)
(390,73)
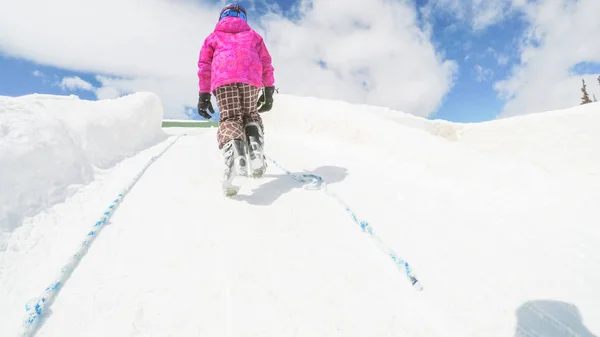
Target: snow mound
(503,246)
(562,140)
(349,122)
(49,144)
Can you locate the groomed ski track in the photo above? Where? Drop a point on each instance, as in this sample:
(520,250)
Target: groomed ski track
(503,247)
(161,268)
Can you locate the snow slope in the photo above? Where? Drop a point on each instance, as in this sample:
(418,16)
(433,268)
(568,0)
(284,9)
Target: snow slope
(502,234)
(50,145)
(559,141)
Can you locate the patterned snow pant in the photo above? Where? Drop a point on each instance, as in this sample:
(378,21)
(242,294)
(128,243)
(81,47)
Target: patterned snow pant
(238,106)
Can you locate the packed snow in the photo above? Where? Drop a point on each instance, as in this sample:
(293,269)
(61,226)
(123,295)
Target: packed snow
(498,220)
(51,145)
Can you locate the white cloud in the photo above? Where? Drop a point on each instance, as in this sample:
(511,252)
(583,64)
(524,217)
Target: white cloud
(372,43)
(38,73)
(154,45)
(478,14)
(561,34)
(149,41)
(483,74)
(75,83)
(500,58)
(489,12)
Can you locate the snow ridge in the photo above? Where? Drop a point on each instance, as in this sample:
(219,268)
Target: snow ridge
(35,307)
(52,145)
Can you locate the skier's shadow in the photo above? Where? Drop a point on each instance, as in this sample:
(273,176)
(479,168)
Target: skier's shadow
(266,193)
(550,319)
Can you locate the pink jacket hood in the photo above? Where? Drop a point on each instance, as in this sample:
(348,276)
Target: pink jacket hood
(234,52)
(232,25)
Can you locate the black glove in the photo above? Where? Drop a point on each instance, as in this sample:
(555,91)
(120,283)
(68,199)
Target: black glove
(203,104)
(265,102)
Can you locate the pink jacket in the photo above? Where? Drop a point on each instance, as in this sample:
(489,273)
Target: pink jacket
(234,53)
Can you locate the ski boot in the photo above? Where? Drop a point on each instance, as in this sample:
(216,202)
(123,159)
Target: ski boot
(236,166)
(254,135)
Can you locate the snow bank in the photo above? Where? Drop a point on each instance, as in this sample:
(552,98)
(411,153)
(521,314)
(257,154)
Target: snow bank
(361,126)
(49,143)
(502,247)
(562,140)
(565,140)
(348,121)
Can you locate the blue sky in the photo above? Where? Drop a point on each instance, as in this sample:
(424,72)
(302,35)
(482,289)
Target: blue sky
(19,77)
(483,56)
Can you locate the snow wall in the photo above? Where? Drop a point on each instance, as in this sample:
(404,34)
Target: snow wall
(50,145)
(564,140)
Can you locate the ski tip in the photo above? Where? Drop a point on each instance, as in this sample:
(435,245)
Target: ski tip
(416,284)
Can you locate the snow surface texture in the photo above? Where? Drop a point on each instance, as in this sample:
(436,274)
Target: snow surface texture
(502,233)
(51,145)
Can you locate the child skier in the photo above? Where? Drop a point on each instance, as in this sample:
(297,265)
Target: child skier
(234,65)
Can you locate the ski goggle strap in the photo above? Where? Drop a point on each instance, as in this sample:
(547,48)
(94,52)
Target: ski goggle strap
(235,10)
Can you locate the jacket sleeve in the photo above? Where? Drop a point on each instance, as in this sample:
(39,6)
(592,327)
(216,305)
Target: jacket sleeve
(267,65)
(204,65)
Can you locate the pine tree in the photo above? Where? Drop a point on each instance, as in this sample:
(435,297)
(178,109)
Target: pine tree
(595,100)
(595,95)
(586,98)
